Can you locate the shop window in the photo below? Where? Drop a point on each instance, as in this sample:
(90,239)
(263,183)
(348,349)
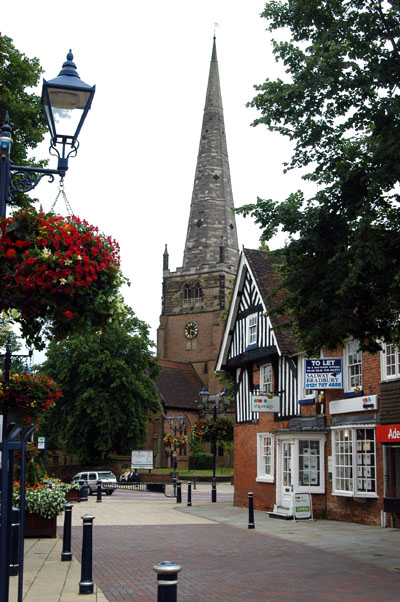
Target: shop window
(301,461)
(309,463)
(352,366)
(265,457)
(354,462)
(252,330)
(266,379)
(390,362)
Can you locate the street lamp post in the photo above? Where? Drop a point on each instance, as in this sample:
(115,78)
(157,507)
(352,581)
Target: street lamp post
(173,424)
(203,404)
(66,100)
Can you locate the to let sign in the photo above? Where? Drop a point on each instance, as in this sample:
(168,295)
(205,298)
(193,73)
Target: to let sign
(323,373)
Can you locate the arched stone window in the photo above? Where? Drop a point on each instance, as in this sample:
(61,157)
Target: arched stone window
(198,291)
(187,293)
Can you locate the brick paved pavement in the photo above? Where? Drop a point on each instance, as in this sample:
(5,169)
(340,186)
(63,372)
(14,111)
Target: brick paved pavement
(227,564)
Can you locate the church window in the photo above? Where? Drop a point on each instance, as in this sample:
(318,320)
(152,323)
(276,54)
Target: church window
(198,291)
(187,294)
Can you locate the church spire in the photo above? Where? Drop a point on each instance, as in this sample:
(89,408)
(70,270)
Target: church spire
(211,236)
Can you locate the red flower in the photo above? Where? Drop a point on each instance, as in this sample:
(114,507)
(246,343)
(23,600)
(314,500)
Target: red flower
(11,253)
(69,314)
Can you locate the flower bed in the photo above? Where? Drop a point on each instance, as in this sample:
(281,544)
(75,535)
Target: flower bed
(57,274)
(46,498)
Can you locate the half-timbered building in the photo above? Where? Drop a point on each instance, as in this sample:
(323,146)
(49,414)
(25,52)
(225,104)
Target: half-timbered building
(304,441)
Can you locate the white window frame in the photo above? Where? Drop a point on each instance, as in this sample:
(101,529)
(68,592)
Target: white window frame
(263,440)
(302,392)
(266,379)
(321,438)
(394,372)
(356,464)
(348,353)
(252,330)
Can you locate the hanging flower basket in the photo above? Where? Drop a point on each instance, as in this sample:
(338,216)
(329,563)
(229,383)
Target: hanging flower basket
(206,430)
(31,395)
(57,274)
(175,441)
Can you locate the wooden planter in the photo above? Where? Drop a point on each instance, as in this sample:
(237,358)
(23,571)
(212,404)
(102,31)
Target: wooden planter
(73,495)
(38,526)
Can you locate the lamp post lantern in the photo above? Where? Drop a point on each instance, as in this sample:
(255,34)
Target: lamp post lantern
(203,405)
(66,101)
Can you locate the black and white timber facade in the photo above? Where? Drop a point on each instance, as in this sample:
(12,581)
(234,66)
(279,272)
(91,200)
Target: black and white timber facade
(252,338)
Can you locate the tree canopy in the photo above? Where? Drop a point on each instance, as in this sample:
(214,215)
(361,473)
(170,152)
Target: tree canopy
(339,104)
(18,74)
(107,380)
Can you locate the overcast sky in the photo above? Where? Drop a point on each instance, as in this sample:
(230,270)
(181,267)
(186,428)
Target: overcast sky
(134,172)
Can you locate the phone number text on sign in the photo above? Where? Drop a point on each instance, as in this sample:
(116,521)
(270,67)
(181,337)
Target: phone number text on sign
(324,373)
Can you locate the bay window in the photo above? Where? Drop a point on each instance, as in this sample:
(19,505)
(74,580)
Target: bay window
(354,461)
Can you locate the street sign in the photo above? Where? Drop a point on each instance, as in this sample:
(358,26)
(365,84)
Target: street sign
(302,505)
(323,373)
(264,403)
(41,442)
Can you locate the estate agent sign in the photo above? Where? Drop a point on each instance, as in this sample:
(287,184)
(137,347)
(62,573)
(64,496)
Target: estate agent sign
(323,373)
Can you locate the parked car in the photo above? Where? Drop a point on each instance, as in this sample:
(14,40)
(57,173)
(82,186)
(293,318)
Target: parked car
(91,478)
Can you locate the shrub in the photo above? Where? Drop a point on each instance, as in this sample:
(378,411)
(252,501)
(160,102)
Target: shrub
(201,462)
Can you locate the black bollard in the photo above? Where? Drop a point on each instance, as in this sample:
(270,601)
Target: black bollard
(179,492)
(167,580)
(214,490)
(86,583)
(66,553)
(194,481)
(189,498)
(251,524)
(84,491)
(98,491)
(14,542)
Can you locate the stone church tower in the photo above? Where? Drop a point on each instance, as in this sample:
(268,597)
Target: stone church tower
(195,296)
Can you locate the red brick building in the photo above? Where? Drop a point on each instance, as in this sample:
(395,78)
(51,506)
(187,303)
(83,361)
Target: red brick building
(294,433)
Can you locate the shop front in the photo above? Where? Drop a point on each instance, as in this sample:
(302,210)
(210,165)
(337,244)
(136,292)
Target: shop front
(389,436)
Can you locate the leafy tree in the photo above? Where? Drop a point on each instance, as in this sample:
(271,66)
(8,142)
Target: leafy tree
(108,388)
(18,74)
(339,103)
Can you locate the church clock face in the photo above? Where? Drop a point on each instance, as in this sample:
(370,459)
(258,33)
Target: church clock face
(191,330)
